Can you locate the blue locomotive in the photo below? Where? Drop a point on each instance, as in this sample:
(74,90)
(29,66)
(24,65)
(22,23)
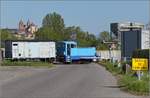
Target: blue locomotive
(67,51)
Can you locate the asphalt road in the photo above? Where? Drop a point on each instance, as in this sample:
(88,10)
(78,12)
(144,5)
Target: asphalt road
(65,81)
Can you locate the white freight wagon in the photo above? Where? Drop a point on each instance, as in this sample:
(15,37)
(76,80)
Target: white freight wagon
(30,49)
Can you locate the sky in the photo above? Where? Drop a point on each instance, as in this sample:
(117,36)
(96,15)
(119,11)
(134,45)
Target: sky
(92,16)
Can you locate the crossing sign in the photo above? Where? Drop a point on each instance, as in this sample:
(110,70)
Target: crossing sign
(139,64)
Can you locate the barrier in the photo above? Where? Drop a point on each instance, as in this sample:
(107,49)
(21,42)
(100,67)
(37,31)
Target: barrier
(106,54)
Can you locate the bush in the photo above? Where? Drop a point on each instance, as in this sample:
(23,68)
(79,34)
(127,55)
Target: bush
(128,81)
(132,84)
(111,67)
(139,86)
(141,53)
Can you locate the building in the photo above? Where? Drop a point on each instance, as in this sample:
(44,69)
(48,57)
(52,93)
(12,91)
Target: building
(22,27)
(145,39)
(117,28)
(130,36)
(27,30)
(130,41)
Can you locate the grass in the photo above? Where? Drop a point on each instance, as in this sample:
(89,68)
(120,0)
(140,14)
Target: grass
(26,63)
(133,85)
(129,82)
(111,67)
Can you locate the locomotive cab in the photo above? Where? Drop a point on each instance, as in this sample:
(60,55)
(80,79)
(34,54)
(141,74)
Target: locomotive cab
(64,50)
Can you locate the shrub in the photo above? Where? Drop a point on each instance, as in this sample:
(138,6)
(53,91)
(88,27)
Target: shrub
(129,81)
(141,53)
(132,84)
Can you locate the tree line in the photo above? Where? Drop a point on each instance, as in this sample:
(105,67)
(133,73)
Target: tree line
(6,35)
(53,28)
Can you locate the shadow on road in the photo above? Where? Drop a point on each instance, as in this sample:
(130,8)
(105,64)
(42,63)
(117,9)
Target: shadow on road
(114,86)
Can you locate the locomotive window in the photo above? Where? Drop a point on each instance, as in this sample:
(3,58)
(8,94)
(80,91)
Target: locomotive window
(63,45)
(68,49)
(73,46)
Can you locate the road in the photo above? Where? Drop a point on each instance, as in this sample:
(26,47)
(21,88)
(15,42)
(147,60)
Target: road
(64,81)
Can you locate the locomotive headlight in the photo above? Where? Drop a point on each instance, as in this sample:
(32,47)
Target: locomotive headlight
(94,60)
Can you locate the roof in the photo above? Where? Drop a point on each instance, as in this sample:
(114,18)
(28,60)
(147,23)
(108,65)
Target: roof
(29,41)
(70,42)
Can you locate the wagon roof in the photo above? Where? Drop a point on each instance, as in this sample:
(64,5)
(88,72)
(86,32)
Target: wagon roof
(30,41)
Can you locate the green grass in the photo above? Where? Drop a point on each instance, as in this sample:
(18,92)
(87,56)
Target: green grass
(26,63)
(133,85)
(111,67)
(129,82)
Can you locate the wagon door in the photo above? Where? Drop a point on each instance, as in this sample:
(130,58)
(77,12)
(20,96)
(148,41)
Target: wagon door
(44,50)
(33,50)
(52,51)
(21,50)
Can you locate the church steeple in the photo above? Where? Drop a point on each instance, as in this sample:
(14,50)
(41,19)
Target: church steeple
(21,22)
(28,23)
(21,26)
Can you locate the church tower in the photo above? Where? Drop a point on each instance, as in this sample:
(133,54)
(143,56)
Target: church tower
(21,26)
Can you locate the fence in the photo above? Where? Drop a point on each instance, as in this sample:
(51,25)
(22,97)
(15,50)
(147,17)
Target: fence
(106,54)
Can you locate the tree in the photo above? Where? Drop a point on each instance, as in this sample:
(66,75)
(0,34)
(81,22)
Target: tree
(104,36)
(54,29)
(6,35)
(46,33)
(54,21)
(93,40)
(84,39)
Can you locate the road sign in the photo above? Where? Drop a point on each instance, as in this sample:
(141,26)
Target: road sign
(139,64)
